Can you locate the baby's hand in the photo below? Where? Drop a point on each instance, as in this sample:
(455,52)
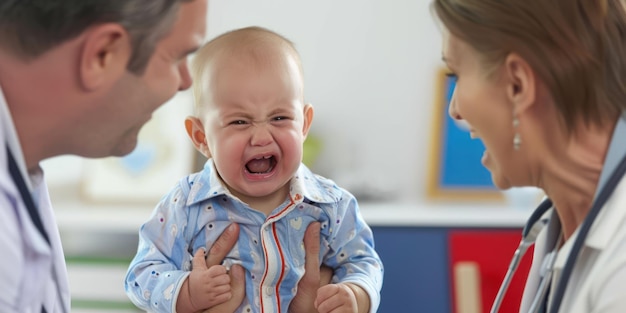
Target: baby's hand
(208,286)
(336,298)
(238,286)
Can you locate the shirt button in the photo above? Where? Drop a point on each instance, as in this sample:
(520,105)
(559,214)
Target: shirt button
(269,291)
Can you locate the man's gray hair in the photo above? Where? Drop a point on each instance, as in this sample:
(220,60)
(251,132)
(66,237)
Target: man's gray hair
(29,28)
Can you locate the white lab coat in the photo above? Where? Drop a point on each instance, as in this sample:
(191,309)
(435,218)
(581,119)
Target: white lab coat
(598,281)
(32,273)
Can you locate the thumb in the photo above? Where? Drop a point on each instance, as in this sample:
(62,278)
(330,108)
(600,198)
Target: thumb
(198,261)
(223,245)
(312,248)
(237,283)
(310,281)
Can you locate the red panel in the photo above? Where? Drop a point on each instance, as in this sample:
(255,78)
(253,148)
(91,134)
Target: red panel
(493,251)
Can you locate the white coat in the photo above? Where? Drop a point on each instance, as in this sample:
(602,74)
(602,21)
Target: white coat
(33,274)
(598,280)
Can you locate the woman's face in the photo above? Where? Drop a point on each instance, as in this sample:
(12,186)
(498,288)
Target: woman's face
(481,100)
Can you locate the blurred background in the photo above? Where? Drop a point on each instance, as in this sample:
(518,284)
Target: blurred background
(373,73)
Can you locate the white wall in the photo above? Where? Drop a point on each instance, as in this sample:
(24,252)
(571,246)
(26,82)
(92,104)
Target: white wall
(370,71)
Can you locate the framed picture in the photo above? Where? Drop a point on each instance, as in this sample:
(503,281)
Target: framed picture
(164,154)
(456,171)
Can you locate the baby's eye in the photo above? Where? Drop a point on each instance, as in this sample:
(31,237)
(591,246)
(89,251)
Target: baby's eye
(281,118)
(238,122)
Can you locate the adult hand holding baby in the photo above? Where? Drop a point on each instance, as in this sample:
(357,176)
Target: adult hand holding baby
(233,281)
(210,285)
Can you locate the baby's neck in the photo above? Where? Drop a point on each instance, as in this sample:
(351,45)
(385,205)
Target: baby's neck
(268,203)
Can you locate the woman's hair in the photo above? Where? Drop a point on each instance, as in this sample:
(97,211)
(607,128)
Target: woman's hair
(258,43)
(576,47)
(29,28)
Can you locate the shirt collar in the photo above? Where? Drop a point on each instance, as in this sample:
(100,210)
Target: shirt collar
(303,186)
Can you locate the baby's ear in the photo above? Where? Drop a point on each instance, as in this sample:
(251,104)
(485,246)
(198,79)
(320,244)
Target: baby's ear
(195,131)
(308,118)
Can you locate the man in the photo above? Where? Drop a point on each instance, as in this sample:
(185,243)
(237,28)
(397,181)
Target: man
(77,77)
(82,77)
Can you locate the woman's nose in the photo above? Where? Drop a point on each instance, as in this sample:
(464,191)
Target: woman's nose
(452,111)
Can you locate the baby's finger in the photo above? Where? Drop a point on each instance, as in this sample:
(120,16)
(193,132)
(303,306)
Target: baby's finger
(198,262)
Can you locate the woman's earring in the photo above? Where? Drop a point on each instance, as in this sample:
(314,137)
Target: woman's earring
(517,139)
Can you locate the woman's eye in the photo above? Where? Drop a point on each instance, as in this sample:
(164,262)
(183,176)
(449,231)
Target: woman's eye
(281,118)
(238,122)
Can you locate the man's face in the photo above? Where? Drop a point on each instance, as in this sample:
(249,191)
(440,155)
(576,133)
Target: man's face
(134,98)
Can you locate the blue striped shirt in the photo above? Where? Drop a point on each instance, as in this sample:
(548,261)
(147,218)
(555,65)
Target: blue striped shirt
(270,248)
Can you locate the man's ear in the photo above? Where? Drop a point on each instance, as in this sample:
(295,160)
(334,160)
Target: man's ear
(195,131)
(308,118)
(104,55)
(521,83)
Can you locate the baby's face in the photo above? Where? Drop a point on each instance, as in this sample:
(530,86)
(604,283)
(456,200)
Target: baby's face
(255,124)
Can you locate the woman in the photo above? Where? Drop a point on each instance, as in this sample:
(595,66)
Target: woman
(543,85)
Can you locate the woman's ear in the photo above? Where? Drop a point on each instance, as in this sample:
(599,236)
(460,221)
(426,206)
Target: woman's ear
(521,83)
(195,131)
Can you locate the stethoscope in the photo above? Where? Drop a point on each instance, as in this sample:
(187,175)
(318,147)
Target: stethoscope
(533,227)
(536,222)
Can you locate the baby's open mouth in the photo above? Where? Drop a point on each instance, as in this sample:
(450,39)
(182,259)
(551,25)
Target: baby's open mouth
(261,165)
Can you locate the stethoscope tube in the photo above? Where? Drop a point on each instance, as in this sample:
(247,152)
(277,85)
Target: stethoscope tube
(529,234)
(542,291)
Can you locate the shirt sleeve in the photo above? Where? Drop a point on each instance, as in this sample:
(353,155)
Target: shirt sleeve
(351,251)
(162,262)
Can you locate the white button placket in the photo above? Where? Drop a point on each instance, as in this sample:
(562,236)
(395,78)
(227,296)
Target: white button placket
(272,260)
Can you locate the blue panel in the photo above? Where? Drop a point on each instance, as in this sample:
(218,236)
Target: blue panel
(461,165)
(416,269)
